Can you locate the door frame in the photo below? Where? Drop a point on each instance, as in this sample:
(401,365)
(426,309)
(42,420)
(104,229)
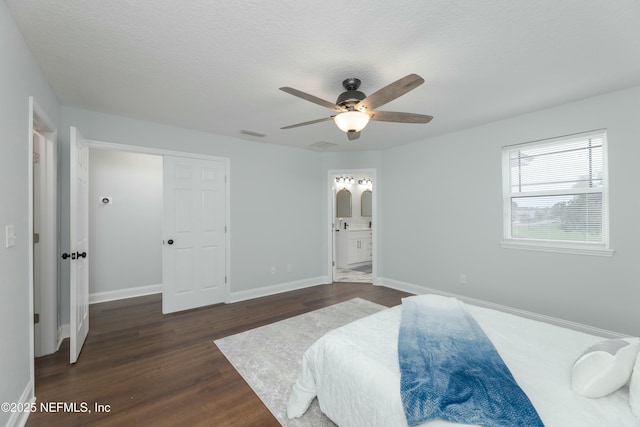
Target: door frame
(39,120)
(101,145)
(331,243)
(46,217)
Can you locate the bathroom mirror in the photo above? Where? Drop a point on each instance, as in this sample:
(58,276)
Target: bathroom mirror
(365,203)
(343,204)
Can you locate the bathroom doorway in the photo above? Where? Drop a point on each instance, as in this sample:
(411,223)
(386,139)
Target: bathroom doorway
(353,225)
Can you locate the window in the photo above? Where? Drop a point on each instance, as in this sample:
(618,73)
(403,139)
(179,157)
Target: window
(555,194)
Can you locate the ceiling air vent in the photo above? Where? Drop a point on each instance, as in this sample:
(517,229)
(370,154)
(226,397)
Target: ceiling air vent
(321,145)
(253,133)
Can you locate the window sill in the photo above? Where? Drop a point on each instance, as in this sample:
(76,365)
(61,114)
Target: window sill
(558,248)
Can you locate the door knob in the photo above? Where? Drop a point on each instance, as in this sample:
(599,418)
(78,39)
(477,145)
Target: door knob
(65,256)
(170,241)
(81,255)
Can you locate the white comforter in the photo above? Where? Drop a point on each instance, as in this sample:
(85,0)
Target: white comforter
(354,372)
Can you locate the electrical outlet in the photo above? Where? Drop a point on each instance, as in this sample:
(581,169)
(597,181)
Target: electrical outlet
(463,279)
(273,270)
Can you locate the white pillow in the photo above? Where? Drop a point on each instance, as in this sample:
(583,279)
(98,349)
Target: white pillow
(604,367)
(634,389)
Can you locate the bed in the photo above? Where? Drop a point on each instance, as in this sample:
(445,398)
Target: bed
(354,372)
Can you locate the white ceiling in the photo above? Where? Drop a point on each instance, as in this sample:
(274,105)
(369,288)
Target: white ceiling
(217,65)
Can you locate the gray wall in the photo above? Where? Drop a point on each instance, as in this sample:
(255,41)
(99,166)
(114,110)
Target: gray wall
(20,77)
(125,237)
(442,214)
(275,204)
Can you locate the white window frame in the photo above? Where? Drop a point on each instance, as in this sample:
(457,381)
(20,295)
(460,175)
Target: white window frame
(572,247)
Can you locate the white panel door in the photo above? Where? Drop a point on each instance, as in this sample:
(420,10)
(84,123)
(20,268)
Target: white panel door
(79,240)
(194,250)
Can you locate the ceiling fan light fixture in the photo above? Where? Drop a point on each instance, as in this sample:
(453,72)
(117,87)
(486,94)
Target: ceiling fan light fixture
(351,121)
(355,109)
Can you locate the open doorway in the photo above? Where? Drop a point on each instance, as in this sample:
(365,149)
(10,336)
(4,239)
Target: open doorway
(125,224)
(183,218)
(353,225)
(164,215)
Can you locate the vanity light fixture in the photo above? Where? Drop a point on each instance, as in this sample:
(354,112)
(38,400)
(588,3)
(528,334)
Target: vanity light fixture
(345,180)
(365,181)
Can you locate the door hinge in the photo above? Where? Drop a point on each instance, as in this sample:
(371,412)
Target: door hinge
(225,228)
(333,263)
(225,279)
(36,237)
(36,318)
(36,158)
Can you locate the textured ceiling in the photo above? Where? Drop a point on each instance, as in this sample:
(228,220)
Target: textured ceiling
(217,65)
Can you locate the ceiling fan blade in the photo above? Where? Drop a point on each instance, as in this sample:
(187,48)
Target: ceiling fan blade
(311,98)
(392,116)
(326,119)
(353,135)
(390,92)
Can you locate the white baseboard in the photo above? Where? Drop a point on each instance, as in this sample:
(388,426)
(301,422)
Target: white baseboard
(63,332)
(417,289)
(19,418)
(277,289)
(124,293)
(406,287)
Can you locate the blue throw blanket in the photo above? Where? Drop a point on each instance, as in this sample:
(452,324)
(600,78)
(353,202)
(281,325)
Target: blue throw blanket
(450,370)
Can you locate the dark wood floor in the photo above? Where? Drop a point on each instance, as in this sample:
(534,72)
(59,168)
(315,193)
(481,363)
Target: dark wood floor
(165,370)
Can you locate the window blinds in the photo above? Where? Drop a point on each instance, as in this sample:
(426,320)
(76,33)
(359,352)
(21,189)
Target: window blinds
(557,189)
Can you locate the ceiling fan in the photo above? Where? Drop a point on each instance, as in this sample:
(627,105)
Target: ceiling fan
(355,109)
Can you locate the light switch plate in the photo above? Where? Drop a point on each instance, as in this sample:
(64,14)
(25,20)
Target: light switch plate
(10,236)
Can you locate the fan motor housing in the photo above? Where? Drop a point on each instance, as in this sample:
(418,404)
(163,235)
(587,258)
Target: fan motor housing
(352,95)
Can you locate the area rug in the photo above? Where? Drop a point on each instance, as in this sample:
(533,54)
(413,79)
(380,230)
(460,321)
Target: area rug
(269,358)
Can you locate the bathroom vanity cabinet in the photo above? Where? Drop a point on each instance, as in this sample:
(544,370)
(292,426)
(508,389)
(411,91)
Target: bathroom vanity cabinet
(353,247)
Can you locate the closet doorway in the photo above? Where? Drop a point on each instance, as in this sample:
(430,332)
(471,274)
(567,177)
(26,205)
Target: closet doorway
(185,221)
(353,226)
